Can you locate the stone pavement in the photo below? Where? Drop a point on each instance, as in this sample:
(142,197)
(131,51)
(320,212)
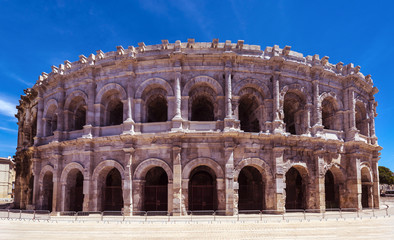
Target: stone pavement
(366,228)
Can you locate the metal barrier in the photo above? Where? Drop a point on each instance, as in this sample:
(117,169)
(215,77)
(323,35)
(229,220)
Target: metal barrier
(200,216)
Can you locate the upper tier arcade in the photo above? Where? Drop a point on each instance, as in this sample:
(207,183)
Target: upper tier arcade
(196,87)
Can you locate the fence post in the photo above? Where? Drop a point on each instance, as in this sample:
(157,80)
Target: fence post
(387,210)
(8,214)
(34,214)
(340,212)
(168,214)
(238,217)
(358,213)
(304,214)
(146,216)
(261,215)
(214,216)
(20,214)
(373,212)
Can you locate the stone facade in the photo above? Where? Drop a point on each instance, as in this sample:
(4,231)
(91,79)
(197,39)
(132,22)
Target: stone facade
(198,126)
(7,179)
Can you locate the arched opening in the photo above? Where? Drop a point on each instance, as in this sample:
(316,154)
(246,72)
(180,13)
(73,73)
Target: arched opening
(251,189)
(295,190)
(293,108)
(328,114)
(156,190)
(80,118)
(366,185)
(202,109)
(74,191)
(51,120)
(331,191)
(248,115)
(115,112)
(113,197)
(157,109)
(202,189)
(47,194)
(361,119)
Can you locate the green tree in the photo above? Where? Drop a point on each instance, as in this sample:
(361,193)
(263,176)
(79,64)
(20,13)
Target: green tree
(386,175)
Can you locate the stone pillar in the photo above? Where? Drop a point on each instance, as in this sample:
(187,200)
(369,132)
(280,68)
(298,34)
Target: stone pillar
(353,184)
(177,119)
(277,123)
(40,109)
(229,119)
(178,203)
(280,184)
(229,180)
(127,182)
(60,116)
(375,186)
(36,174)
(90,121)
(320,181)
(138,193)
(351,131)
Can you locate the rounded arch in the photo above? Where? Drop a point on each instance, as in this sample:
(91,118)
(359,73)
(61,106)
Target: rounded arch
(68,168)
(108,87)
(365,170)
(73,95)
(49,106)
(202,162)
(258,163)
(154,81)
(296,88)
(331,96)
(252,83)
(146,165)
(300,167)
(44,170)
(107,164)
(213,83)
(338,171)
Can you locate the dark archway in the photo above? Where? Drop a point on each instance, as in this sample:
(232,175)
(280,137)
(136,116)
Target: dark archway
(156,190)
(251,189)
(202,189)
(331,191)
(113,196)
(74,191)
(47,194)
(202,109)
(295,190)
(361,119)
(328,114)
(157,109)
(115,112)
(248,106)
(80,118)
(366,188)
(292,108)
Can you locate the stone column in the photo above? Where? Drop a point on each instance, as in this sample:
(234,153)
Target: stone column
(128,124)
(60,116)
(87,183)
(138,193)
(177,119)
(375,186)
(36,174)
(353,184)
(280,184)
(178,203)
(352,130)
(127,183)
(278,126)
(87,129)
(229,181)
(320,181)
(40,109)
(229,119)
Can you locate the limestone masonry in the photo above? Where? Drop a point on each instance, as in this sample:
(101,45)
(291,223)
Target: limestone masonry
(191,126)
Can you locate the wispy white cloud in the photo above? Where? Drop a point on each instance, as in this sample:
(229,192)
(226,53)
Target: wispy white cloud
(7,108)
(8,130)
(19,79)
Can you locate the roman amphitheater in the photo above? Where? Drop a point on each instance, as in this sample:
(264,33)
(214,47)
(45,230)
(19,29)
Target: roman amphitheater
(190,126)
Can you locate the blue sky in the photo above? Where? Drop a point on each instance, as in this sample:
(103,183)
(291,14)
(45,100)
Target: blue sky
(34,35)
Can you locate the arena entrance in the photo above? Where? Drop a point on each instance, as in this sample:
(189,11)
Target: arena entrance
(295,190)
(47,195)
(331,191)
(251,189)
(74,190)
(113,197)
(366,199)
(156,190)
(202,189)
